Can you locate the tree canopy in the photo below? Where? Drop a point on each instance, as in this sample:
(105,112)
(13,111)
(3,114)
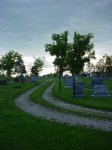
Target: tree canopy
(37,66)
(71,56)
(12,63)
(59,49)
(104,65)
(80,52)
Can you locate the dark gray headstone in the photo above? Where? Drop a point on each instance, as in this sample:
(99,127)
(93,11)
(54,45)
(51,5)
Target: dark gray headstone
(16,79)
(21,78)
(3,82)
(79,83)
(100,91)
(96,81)
(102,87)
(68,82)
(79,87)
(33,79)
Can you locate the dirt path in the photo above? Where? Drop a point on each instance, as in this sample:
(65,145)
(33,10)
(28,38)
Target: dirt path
(36,110)
(48,97)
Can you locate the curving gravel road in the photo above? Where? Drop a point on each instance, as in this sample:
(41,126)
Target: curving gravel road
(37,110)
(49,98)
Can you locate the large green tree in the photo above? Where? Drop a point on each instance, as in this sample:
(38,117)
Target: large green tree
(37,66)
(12,63)
(59,49)
(79,54)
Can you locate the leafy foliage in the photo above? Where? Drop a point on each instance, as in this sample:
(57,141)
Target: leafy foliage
(59,49)
(12,62)
(37,66)
(104,65)
(80,52)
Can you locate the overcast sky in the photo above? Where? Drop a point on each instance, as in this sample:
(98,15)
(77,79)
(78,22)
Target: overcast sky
(27,25)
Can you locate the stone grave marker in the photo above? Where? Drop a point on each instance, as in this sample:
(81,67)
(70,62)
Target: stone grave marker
(96,81)
(3,82)
(68,81)
(100,91)
(79,87)
(100,87)
(21,78)
(16,79)
(80,83)
(33,78)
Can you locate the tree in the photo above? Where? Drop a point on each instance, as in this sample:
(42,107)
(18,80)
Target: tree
(37,66)
(12,62)
(89,65)
(109,65)
(59,49)
(19,66)
(104,65)
(79,54)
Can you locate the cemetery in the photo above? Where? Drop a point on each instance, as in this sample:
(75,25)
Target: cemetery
(41,108)
(33,106)
(82,98)
(98,88)
(33,79)
(94,92)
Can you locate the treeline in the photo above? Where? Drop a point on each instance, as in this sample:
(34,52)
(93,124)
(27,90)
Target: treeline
(104,65)
(12,63)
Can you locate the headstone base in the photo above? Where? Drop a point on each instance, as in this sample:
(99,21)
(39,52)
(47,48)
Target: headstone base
(100,96)
(79,96)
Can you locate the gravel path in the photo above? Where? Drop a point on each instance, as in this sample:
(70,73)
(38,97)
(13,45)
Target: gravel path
(37,110)
(48,97)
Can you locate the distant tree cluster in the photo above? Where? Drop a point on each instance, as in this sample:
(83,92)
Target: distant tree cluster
(12,63)
(37,66)
(104,65)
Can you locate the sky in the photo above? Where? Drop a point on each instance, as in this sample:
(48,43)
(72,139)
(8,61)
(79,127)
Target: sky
(27,25)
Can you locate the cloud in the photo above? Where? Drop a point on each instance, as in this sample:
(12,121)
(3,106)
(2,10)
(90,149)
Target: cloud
(48,66)
(27,25)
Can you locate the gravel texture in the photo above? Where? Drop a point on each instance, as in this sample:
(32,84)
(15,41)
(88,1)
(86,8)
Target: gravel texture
(48,97)
(37,110)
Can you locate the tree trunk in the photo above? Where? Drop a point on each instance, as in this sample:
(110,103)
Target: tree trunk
(59,82)
(73,85)
(9,73)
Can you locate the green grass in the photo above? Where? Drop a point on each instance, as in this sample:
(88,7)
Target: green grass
(21,131)
(87,101)
(37,97)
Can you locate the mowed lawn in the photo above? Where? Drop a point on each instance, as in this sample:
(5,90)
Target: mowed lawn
(87,101)
(21,131)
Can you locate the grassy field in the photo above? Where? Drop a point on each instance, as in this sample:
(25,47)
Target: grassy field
(20,131)
(44,103)
(87,101)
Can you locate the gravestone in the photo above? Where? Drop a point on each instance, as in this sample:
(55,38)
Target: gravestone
(96,81)
(16,79)
(68,81)
(3,82)
(100,87)
(79,87)
(33,78)
(21,78)
(79,83)
(100,91)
